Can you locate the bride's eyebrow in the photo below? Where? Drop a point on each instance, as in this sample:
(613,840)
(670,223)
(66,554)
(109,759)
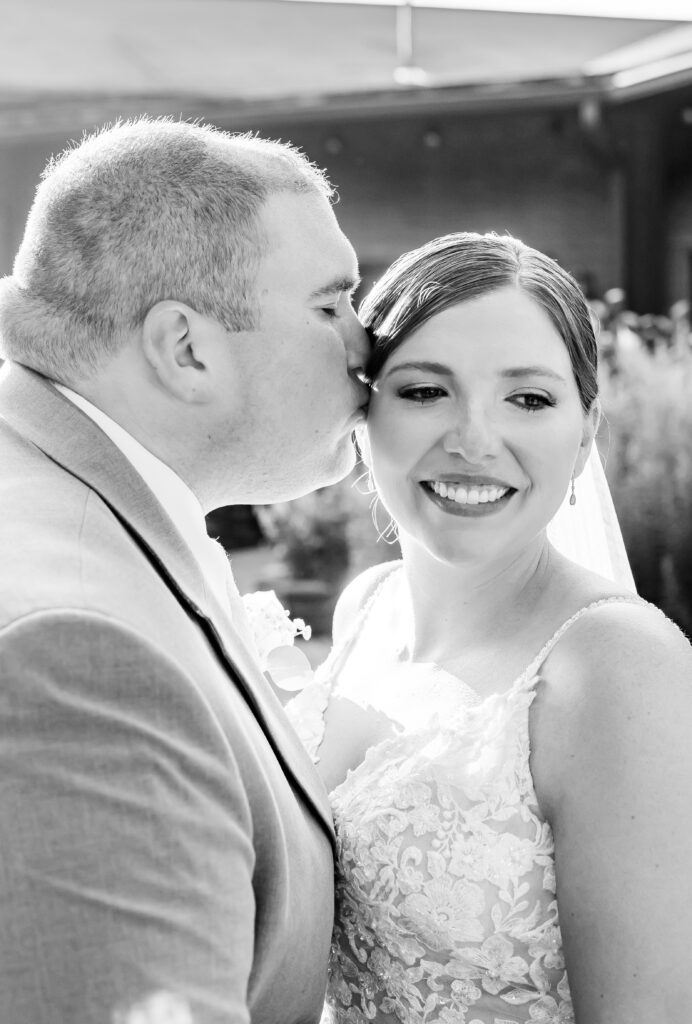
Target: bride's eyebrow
(514,372)
(424,366)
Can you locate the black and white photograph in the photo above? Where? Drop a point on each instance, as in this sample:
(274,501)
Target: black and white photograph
(345,512)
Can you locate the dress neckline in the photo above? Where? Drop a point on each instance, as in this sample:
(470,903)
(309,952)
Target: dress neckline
(528,674)
(525,681)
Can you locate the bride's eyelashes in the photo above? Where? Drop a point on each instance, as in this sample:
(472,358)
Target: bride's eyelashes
(532,401)
(528,401)
(422,394)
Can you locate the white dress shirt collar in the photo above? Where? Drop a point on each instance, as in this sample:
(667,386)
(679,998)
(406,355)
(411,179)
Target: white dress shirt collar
(173,494)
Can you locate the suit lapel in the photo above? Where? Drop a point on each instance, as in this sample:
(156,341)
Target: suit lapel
(67,436)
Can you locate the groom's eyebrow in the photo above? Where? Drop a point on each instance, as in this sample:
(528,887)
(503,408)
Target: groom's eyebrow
(339,284)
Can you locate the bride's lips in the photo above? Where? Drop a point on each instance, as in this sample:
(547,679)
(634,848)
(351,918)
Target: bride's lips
(478,497)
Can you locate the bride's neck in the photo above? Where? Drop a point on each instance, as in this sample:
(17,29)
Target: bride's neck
(454,606)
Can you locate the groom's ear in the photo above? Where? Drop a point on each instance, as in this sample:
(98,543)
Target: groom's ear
(173,347)
(592,420)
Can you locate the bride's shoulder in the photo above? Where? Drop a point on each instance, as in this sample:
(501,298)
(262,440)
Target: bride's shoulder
(612,628)
(615,691)
(621,661)
(624,635)
(358,594)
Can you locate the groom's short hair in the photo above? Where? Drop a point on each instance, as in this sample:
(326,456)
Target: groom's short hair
(139,212)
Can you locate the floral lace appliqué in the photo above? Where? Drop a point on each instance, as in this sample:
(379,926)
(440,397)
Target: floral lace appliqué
(446,910)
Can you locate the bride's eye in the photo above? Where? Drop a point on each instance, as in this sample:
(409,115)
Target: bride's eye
(422,393)
(532,401)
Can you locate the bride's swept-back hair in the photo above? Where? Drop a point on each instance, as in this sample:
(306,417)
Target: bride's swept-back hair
(462,266)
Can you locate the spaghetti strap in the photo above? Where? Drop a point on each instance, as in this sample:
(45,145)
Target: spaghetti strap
(534,665)
(337,656)
(307,710)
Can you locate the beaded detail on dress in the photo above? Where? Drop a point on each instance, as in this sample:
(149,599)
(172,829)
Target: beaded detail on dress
(446,910)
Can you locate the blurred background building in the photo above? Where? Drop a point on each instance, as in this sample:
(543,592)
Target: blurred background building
(571,131)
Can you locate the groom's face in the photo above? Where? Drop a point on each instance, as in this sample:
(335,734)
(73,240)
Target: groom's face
(298,370)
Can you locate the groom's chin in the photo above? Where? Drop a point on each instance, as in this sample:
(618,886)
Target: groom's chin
(344,461)
(328,471)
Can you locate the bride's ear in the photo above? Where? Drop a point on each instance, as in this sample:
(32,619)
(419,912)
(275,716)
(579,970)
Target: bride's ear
(592,421)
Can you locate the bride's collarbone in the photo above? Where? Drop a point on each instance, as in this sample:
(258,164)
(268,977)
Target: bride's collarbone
(488,671)
(361,716)
(493,663)
(488,668)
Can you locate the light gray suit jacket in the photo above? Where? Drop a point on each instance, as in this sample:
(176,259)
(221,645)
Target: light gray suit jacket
(164,840)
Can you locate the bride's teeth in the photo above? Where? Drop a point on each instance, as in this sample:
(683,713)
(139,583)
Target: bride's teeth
(472,496)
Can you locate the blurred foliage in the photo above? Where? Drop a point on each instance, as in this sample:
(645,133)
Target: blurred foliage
(320,542)
(646,441)
(330,535)
(310,535)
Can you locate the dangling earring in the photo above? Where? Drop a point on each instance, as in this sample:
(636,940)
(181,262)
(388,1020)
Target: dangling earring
(390,534)
(364,484)
(572,497)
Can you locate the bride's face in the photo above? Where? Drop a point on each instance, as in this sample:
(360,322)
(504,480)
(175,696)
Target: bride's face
(475,428)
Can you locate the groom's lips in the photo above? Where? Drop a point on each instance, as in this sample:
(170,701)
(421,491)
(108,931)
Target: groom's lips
(358,417)
(360,413)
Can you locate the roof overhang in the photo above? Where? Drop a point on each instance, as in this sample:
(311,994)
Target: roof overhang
(251,62)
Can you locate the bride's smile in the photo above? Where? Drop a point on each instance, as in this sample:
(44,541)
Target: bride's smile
(468,496)
(476,424)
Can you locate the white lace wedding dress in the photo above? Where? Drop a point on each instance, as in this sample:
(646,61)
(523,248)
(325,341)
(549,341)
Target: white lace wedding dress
(446,910)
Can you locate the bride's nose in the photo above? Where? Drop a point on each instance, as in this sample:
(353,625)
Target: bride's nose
(473,436)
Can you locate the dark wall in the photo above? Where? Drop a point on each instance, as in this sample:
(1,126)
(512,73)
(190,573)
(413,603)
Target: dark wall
(403,181)
(21,164)
(675,114)
(539,174)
